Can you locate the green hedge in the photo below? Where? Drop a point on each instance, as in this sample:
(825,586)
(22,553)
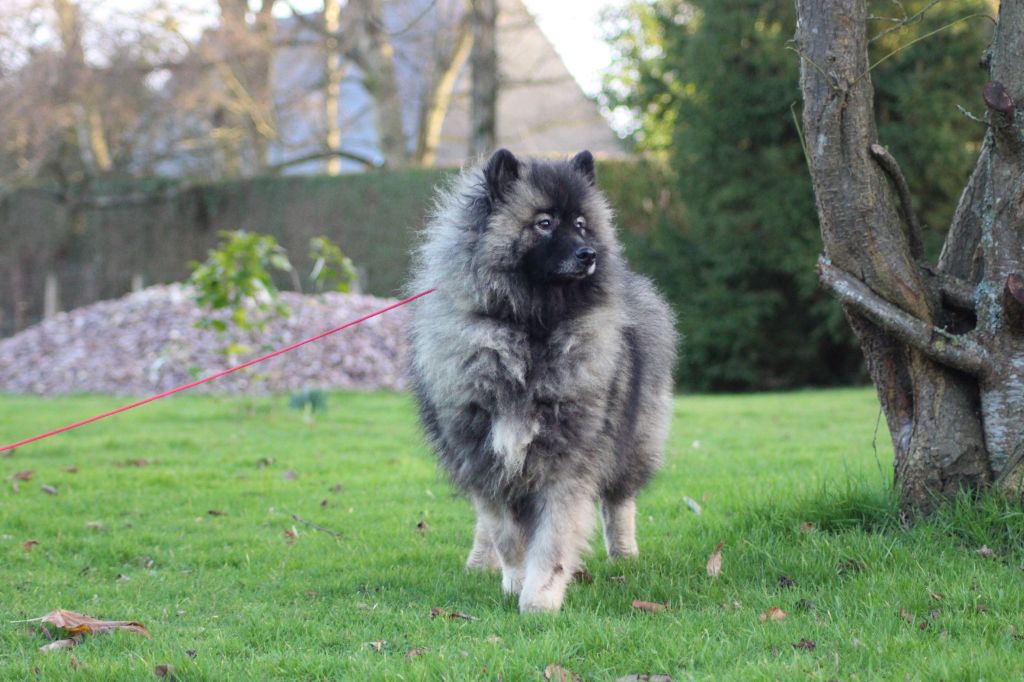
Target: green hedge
(372,216)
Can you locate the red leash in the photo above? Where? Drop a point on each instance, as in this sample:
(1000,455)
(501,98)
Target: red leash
(214,376)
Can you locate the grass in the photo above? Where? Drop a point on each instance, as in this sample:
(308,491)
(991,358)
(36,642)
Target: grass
(232,597)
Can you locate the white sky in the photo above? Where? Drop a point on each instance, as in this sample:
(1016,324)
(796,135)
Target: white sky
(572,27)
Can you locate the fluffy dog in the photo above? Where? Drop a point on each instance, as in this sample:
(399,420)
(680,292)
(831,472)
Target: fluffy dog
(542,367)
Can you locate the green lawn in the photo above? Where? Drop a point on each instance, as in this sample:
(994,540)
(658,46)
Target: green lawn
(130,535)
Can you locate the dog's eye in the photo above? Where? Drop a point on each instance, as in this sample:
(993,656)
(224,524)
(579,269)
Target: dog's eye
(544,224)
(581,224)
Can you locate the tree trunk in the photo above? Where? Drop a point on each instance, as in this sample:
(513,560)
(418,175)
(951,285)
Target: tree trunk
(944,343)
(484,89)
(439,97)
(333,74)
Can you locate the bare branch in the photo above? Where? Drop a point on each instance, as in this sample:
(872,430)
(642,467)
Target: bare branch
(958,352)
(326,154)
(892,169)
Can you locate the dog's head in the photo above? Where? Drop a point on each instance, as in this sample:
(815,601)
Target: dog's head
(547,222)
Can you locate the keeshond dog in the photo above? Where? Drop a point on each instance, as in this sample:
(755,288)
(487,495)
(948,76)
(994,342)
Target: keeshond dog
(542,367)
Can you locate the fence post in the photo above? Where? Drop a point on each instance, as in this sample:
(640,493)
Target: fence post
(51,296)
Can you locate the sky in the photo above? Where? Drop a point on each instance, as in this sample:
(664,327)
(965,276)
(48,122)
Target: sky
(572,27)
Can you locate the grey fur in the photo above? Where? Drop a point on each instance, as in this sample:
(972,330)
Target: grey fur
(543,376)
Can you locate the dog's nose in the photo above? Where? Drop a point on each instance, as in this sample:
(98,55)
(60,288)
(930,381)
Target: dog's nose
(586,255)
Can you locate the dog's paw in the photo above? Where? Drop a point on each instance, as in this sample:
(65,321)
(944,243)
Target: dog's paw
(511,583)
(623,552)
(543,601)
(483,561)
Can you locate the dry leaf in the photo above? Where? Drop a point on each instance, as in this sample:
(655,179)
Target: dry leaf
(808,644)
(492,639)
(617,578)
(715,560)
(986,552)
(49,489)
(289,475)
(80,624)
(645,677)
(290,534)
(73,662)
(557,673)
(15,488)
(415,652)
(217,512)
(323,502)
(422,527)
(378,645)
(336,488)
(164,671)
(29,544)
(583,576)
(22,475)
(191,653)
(774,613)
(785,582)
(937,596)
(138,462)
(61,644)
(265,462)
(806,526)
(692,504)
(453,615)
(649,606)
(906,615)
(71,469)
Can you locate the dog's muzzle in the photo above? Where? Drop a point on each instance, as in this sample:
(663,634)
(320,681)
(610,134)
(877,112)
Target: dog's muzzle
(587,258)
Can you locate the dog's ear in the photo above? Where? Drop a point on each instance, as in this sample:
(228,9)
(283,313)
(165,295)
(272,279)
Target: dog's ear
(583,163)
(501,171)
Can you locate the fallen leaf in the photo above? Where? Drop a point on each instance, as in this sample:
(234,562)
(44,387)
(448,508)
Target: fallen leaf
(29,544)
(649,606)
(772,614)
(453,615)
(77,623)
(217,512)
(808,644)
(58,644)
(122,578)
(289,475)
(557,673)
(48,489)
(692,504)
(15,488)
(715,561)
(981,608)
(137,462)
(851,565)
(415,652)
(617,578)
(986,552)
(290,534)
(422,527)
(73,662)
(906,615)
(191,653)
(164,671)
(806,526)
(71,470)
(22,475)
(785,582)
(378,645)
(492,639)
(265,462)
(336,488)
(583,576)
(645,677)
(937,596)
(323,502)
(94,525)
(806,605)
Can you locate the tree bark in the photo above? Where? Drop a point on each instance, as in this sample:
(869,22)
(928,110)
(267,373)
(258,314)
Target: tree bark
(944,344)
(483,114)
(439,97)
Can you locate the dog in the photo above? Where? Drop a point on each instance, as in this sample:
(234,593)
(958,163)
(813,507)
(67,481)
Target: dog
(541,366)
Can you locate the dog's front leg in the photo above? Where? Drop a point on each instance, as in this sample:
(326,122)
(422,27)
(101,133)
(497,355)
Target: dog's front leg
(510,542)
(620,527)
(484,555)
(564,524)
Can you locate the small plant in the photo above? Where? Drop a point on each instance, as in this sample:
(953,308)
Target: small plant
(332,269)
(237,276)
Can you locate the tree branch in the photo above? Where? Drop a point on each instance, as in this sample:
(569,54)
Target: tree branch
(953,351)
(957,292)
(892,169)
(327,154)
